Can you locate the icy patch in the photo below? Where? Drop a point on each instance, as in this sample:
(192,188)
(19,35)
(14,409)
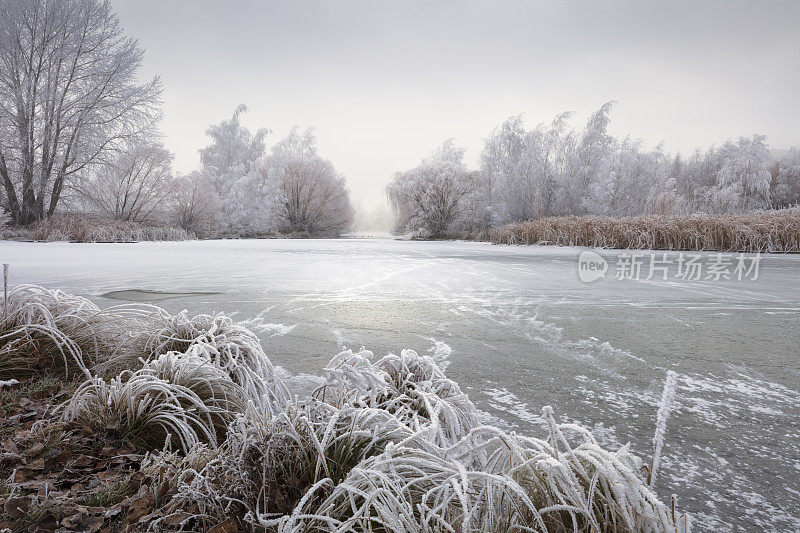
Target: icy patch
(507,402)
(716,399)
(142,295)
(277,330)
(440,352)
(299,385)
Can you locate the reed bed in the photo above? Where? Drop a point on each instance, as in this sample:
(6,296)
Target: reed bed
(84,228)
(386,444)
(769,231)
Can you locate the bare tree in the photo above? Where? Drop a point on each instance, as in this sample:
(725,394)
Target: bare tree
(194,204)
(68,97)
(134,185)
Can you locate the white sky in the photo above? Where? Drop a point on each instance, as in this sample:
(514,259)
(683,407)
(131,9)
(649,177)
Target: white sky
(385,82)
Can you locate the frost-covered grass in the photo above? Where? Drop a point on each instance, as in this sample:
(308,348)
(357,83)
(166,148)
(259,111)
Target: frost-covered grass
(411,387)
(85,228)
(230,346)
(49,330)
(768,231)
(148,408)
(386,444)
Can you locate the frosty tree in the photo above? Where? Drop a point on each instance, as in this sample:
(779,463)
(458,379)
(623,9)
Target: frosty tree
(69,97)
(233,149)
(785,185)
(195,204)
(134,184)
(316,198)
(432,198)
(734,177)
(247,202)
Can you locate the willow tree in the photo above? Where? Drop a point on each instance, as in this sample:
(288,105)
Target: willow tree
(69,97)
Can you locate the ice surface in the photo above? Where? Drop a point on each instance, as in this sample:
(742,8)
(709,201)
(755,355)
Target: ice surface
(519,330)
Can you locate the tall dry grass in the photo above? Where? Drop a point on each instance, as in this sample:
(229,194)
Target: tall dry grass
(769,231)
(84,228)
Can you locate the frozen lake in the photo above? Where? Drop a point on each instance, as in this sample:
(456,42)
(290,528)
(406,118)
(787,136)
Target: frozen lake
(519,330)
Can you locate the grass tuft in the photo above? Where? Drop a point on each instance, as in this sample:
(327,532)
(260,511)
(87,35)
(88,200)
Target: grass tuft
(44,330)
(176,396)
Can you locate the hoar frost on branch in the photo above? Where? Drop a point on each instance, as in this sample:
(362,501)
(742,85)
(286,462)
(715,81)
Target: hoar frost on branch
(133,185)
(69,98)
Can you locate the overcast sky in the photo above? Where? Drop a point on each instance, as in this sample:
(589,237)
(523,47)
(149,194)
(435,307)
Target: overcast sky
(384,83)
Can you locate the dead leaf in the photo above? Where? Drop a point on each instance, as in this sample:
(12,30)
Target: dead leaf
(17,507)
(71,522)
(175,519)
(108,451)
(95,524)
(163,489)
(83,461)
(140,507)
(34,450)
(10,446)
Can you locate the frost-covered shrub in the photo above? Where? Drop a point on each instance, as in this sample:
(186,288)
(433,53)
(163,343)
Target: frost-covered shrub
(269,463)
(351,376)
(171,468)
(211,384)
(490,481)
(174,395)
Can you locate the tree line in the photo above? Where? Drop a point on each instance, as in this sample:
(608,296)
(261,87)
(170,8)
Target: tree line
(78,131)
(556,170)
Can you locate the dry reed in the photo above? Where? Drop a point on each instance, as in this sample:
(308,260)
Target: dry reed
(769,231)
